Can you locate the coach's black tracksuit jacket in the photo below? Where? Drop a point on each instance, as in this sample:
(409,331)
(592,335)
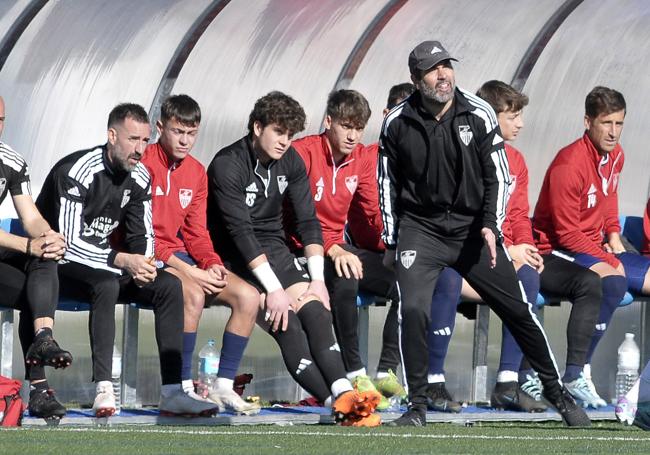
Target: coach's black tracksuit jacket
(428,169)
(440,183)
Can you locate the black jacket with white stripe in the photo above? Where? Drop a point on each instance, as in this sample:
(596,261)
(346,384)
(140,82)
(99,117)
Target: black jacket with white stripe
(449,175)
(245,201)
(14,173)
(85,198)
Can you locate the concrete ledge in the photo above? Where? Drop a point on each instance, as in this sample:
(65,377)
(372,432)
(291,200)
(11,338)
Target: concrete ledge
(300,416)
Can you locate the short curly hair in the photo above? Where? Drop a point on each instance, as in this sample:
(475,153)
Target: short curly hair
(348,106)
(280,109)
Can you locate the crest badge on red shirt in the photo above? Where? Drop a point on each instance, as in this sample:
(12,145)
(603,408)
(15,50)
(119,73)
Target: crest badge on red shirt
(351,182)
(185,197)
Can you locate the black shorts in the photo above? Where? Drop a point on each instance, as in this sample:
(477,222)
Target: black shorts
(287,267)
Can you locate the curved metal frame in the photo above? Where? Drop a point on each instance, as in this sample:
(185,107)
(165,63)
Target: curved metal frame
(17,29)
(181,54)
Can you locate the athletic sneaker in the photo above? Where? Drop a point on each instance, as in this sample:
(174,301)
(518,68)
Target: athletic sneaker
(586,371)
(353,405)
(45,351)
(345,405)
(384,403)
(580,390)
(532,387)
(179,403)
(363,383)
(509,396)
(229,400)
(414,417)
(625,410)
(572,414)
(370,397)
(373,420)
(389,386)
(104,404)
(43,404)
(439,399)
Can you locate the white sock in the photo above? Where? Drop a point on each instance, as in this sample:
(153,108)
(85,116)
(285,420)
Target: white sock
(104,385)
(339,386)
(224,383)
(433,378)
(167,390)
(382,374)
(187,385)
(507,376)
(586,371)
(353,374)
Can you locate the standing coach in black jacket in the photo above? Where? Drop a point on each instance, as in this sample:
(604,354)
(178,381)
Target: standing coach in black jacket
(443,181)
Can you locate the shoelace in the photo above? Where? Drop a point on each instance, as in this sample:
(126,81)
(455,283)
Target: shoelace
(533,387)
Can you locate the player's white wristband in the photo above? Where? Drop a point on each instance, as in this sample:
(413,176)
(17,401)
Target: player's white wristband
(316,267)
(267,277)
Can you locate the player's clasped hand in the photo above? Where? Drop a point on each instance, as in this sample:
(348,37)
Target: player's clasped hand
(141,268)
(212,280)
(49,245)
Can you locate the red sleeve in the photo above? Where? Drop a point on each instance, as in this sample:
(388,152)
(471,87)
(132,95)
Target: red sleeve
(301,146)
(611,201)
(521,230)
(564,204)
(195,235)
(364,216)
(645,246)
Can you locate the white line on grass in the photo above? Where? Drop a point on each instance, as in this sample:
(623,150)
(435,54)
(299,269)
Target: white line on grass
(351,434)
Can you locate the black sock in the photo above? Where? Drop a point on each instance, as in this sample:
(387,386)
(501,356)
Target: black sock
(317,324)
(298,359)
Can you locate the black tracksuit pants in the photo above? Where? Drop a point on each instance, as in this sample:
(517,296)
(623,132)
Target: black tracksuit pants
(30,285)
(562,278)
(102,289)
(377,280)
(421,255)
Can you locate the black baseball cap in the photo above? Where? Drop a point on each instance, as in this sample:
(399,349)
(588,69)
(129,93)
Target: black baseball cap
(426,55)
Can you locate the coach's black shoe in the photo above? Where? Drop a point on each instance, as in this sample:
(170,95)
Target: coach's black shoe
(509,396)
(414,417)
(45,351)
(43,404)
(572,414)
(439,399)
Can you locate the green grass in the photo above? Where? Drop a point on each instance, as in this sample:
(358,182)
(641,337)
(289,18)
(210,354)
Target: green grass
(515,438)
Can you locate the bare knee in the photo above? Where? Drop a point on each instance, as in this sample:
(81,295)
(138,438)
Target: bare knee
(246,302)
(193,300)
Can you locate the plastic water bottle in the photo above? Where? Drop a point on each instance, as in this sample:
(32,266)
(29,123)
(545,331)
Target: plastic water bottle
(627,371)
(116,378)
(208,367)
